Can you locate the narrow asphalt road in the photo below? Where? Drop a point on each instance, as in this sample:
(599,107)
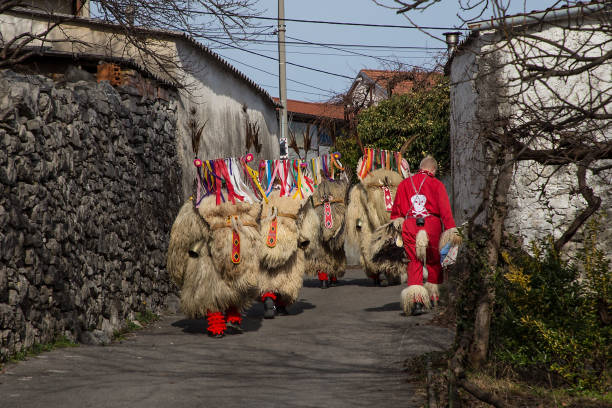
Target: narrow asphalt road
(340,347)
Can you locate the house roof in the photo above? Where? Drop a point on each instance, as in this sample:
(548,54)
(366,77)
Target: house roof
(159,32)
(385,78)
(399,82)
(315,109)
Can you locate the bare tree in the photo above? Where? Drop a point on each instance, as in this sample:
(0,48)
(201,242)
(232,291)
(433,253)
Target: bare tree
(133,28)
(546,78)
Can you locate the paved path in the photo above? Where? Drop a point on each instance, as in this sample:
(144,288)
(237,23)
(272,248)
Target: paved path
(341,347)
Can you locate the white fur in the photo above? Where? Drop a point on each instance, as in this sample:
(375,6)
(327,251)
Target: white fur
(422,241)
(412,292)
(434,292)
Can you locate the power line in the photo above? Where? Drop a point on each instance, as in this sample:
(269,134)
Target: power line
(335,54)
(398,54)
(347,51)
(297,20)
(274,59)
(276,75)
(295,90)
(407,47)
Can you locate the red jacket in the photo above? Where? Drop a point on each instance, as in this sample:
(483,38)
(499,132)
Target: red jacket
(434,203)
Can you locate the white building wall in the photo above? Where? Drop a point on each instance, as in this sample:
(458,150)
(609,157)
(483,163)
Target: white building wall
(467,154)
(219,98)
(539,205)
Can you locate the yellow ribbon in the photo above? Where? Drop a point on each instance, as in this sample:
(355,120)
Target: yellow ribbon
(299,180)
(255,176)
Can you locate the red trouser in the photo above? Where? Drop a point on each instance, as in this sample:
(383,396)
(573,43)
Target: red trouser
(433,227)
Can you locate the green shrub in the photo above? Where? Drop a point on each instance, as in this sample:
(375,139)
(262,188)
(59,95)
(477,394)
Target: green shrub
(553,315)
(424,112)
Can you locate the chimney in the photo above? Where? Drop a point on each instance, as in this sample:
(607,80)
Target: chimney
(452,40)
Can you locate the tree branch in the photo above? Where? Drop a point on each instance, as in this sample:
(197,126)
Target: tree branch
(594,202)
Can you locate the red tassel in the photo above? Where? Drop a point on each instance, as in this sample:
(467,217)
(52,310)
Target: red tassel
(216,322)
(233,316)
(322,275)
(268,295)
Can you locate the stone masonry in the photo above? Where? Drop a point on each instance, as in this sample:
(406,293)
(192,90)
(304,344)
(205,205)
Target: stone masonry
(89,187)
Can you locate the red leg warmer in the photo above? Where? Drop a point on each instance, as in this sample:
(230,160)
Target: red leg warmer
(333,279)
(233,316)
(216,322)
(322,276)
(268,295)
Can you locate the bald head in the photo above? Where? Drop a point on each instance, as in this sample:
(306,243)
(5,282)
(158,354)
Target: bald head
(429,164)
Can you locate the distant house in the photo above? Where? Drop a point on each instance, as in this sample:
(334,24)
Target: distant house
(224,98)
(542,199)
(372,86)
(321,121)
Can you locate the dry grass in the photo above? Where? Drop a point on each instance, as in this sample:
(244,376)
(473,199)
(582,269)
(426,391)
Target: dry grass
(512,391)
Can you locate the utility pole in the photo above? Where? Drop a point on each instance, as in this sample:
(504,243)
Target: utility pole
(282,79)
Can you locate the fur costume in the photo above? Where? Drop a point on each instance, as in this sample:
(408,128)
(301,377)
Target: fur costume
(199,259)
(366,214)
(281,259)
(326,256)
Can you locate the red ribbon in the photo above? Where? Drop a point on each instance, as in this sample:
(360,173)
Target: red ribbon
(222,171)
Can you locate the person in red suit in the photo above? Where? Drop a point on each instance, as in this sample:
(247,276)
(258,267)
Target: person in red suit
(422,210)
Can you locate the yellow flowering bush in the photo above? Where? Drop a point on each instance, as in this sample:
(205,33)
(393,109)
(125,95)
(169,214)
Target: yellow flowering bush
(553,315)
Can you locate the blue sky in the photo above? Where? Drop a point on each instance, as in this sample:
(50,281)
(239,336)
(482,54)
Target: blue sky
(321,86)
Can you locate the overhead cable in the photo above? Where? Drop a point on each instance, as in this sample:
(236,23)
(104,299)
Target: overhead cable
(272,58)
(276,75)
(401,47)
(299,20)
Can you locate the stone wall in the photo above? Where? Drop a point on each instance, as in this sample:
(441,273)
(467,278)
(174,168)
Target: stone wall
(89,187)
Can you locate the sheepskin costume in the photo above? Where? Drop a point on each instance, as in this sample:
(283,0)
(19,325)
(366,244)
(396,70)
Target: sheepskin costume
(200,260)
(281,259)
(327,259)
(368,210)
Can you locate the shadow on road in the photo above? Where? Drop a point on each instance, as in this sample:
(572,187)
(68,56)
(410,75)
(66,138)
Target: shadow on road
(251,322)
(314,283)
(389,307)
(198,326)
(256,311)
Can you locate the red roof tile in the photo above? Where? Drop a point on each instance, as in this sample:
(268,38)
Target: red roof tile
(321,109)
(404,80)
